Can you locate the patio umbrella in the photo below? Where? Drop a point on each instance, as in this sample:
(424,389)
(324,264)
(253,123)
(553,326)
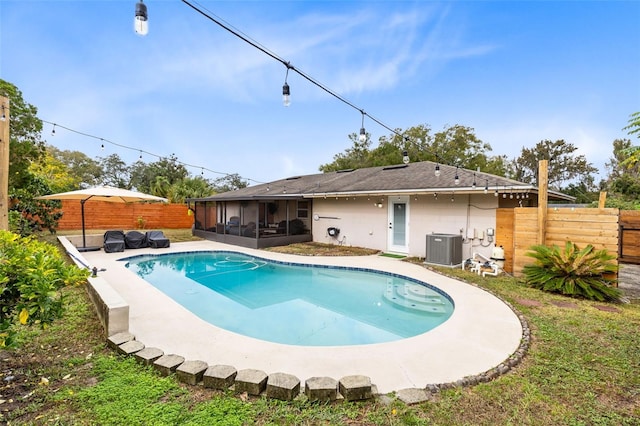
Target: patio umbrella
(100,193)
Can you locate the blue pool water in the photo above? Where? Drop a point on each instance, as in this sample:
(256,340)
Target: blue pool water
(295,304)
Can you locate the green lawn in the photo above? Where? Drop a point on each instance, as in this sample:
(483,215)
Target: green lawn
(582,368)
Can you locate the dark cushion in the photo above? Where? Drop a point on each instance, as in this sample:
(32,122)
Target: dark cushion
(156,239)
(114,241)
(135,240)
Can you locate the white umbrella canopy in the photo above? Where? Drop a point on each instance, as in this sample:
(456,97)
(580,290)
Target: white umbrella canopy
(101,193)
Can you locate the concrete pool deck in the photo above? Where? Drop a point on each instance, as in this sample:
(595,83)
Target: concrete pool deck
(481,334)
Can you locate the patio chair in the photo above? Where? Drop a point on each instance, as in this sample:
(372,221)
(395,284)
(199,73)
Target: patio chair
(135,240)
(156,239)
(114,241)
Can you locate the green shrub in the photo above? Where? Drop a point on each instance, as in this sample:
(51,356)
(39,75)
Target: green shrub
(32,273)
(573,272)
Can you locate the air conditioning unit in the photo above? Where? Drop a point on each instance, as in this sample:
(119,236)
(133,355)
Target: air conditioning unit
(444,249)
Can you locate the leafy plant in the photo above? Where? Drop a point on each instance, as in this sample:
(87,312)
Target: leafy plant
(141,221)
(573,272)
(31,275)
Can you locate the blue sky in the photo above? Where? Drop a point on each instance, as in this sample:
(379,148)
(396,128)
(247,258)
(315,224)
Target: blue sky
(516,72)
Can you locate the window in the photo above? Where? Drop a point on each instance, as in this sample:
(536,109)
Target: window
(303,209)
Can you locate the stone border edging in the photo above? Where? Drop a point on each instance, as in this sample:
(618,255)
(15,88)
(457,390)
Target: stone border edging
(111,310)
(505,366)
(287,387)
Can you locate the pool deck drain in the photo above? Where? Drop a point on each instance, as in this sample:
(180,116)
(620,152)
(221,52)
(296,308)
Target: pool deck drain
(482,334)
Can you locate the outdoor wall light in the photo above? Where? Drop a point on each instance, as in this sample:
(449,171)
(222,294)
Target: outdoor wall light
(405,157)
(141,19)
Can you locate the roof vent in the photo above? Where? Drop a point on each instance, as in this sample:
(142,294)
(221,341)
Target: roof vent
(398,166)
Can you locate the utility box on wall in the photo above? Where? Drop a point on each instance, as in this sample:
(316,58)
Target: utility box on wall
(444,249)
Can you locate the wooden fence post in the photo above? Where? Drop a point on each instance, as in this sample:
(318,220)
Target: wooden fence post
(543,189)
(603,199)
(4,163)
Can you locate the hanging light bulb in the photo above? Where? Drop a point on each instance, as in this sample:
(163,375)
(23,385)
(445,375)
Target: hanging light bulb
(286,95)
(286,92)
(437,171)
(363,132)
(141,19)
(405,157)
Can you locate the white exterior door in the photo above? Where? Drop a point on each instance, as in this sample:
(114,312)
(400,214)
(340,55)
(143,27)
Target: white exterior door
(398,218)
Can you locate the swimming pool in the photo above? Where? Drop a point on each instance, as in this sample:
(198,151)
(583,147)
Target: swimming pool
(295,304)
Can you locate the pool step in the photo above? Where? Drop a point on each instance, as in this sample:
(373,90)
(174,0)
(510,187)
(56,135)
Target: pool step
(415,297)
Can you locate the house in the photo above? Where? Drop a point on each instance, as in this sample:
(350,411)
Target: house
(389,208)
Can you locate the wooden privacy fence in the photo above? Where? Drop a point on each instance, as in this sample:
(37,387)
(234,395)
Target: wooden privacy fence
(629,236)
(106,215)
(517,230)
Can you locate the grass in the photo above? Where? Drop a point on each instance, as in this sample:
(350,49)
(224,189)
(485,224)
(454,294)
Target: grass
(581,369)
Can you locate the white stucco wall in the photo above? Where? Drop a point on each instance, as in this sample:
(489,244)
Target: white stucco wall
(363,224)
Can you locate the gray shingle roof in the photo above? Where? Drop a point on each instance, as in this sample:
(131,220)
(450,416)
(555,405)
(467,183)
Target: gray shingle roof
(412,178)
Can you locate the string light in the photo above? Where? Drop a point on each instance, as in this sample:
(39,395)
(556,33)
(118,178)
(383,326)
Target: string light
(286,92)
(405,157)
(363,132)
(141,19)
(141,151)
(142,16)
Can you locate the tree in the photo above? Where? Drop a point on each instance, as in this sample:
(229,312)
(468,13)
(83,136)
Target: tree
(564,166)
(84,170)
(623,179)
(633,152)
(26,147)
(56,173)
(456,145)
(115,172)
(197,187)
(353,158)
(144,176)
(229,183)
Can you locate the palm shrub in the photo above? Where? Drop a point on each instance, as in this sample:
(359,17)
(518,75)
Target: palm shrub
(32,273)
(582,273)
